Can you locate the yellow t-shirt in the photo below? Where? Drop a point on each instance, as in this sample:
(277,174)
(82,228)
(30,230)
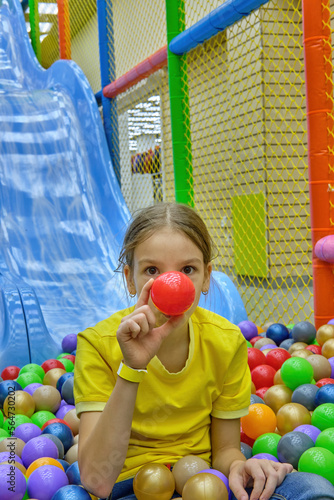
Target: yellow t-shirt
(172,416)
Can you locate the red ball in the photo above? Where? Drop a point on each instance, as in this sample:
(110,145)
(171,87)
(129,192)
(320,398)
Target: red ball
(53,421)
(263,376)
(71,357)
(10,373)
(316,349)
(52,363)
(276,357)
(246,439)
(324,381)
(255,339)
(255,358)
(173,293)
(261,392)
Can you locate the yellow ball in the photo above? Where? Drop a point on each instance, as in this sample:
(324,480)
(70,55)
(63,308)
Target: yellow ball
(328,348)
(324,333)
(277,396)
(204,486)
(20,403)
(290,416)
(154,482)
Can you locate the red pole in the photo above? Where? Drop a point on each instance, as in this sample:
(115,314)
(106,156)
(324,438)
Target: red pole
(64,29)
(319,104)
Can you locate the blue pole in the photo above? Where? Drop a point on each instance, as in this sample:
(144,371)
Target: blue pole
(108,74)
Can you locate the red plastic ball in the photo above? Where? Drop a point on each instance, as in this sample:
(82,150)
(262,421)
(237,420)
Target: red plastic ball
(276,357)
(71,357)
(10,373)
(263,376)
(324,381)
(52,363)
(246,439)
(261,392)
(55,420)
(255,358)
(316,349)
(173,293)
(255,339)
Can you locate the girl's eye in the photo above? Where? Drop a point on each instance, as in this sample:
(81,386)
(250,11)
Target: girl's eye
(151,270)
(188,269)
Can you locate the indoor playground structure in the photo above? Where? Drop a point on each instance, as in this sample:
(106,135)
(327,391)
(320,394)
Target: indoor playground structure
(111,106)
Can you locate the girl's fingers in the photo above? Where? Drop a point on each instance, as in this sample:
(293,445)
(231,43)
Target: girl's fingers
(144,294)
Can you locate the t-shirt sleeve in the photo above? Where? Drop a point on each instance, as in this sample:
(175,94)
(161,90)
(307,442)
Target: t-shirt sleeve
(235,397)
(94,378)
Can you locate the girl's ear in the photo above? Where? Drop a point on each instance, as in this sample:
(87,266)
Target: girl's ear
(129,280)
(207,274)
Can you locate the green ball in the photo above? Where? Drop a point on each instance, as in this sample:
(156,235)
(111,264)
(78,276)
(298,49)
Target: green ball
(319,461)
(28,378)
(326,439)
(15,420)
(267,443)
(69,366)
(1,419)
(33,368)
(295,372)
(40,417)
(323,416)
(4,434)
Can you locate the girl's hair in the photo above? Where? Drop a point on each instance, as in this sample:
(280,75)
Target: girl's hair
(173,215)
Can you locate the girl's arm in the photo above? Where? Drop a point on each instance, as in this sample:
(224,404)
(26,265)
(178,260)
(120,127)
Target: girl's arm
(263,475)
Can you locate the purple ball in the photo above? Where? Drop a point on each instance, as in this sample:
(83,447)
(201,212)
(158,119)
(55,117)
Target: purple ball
(31,388)
(63,409)
(267,346)
(218,474)
(27,431)
(11,476)
(312,431)
(6,455)
(267,456)
(45,481)
(331,322)
(248,329)
(38,447)
(69,342)
(331,361)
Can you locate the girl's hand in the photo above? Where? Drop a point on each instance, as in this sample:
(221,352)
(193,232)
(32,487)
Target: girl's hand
(263,475)
(138,338)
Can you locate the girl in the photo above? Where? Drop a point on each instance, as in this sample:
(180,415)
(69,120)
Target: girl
(151,388)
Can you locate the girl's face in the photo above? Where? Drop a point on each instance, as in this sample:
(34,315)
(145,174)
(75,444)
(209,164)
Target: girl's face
(168,250)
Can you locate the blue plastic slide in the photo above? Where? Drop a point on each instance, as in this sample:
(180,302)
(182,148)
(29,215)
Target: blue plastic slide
(62,214)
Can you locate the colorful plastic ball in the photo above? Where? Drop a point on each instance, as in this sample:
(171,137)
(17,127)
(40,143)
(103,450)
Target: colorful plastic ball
(246,439)
(263,376)
(204,486)
(38,447)
(12,477)
(10,373)
(286,344)
(185,468)
(63,462)
(53,375)
(303,332)
(305,395)
(20,403)
(277,332)
(58,443)
(47,398)
(312,431)
(6,387)
(296,346)
(301,353)
(45,481)
(261,392)
(73,421)
(318,461)
(63,410)
(323,416)
(295,372)
(62,379)
(40,417)
(278,378)
(67,391)
(331,362)
(53,421)
(15,464)
(324,333)
(15,445)
(325,394)
(248,329)
(154,482)
(49,364)
(256,399)
(276,357)
(266,443)
(6,456)
(290,416)
(27,431)
(246,450)
(291,447)
(255,358)
(260,419)
(71,357)
(326,439)
(71,492)
(62,431)
(324,381)
(277,396)
(219,474)
(34,368)
(321,366)
(265,456)
(173,293)
(72,454)
(266,348)
(14,421)
(73,473)
(264,341)
(69,342)
(255,339)
(328,348)
(68,365)
(3,434)
(39,462)
(316,349)
(31,388)
(28,378)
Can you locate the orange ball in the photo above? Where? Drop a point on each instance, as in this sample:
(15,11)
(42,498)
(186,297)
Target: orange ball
(328,348)
(277,396)
(154,482)
(185,468)
(52,376)
(20,403)
(205,486)
(47,398)
(290,416)
(260,420)
(43,461)
(324,333)
(321,366)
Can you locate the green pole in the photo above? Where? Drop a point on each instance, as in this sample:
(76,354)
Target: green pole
(179,107)
(34,26)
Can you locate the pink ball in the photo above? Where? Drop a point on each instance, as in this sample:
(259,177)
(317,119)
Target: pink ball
(324,248)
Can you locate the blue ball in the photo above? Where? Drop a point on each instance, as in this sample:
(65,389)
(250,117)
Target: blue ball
(6,387)
(277,332)
(71,492)
(292,445)
(325,395)
(62,431)
(73,473)
(303,332)
(286,344)
(254,399)
(305,395)
(67,391)
(63,463)
(62,379)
